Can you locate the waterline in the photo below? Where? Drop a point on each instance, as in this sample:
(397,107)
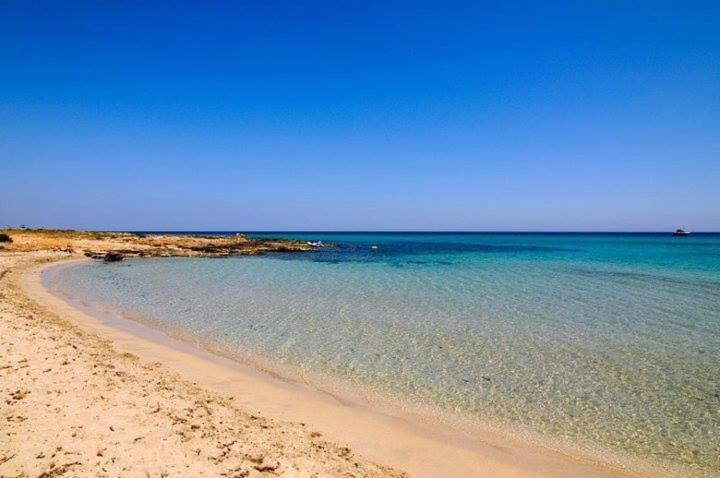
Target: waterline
(612,342)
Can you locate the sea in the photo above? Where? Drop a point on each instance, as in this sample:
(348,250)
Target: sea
(609,342)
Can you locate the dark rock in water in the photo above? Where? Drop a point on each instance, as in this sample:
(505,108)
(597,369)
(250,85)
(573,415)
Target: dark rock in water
(113,257)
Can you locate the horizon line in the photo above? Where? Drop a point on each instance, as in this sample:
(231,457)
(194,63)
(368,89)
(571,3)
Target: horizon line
(368,231)
(364,231)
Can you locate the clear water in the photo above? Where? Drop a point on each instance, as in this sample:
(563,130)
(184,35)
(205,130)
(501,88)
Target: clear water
(607,340)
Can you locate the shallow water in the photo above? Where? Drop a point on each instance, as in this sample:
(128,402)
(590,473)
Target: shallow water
(607,340)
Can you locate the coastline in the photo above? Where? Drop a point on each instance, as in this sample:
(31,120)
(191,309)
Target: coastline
(416,448)
(79,404)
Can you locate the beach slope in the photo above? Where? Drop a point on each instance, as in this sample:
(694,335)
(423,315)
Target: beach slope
(79,397)
(72,403)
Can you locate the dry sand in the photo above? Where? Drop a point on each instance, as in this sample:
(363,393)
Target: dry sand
(81,398)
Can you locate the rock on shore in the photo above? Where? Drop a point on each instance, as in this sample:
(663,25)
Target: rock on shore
(113,246)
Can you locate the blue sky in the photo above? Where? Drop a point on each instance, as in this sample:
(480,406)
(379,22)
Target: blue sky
(360,115)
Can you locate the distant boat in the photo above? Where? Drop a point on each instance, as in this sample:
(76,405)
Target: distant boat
(316,244)
(681,232)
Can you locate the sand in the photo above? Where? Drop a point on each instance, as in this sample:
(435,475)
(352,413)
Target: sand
(84,398)
(73,404)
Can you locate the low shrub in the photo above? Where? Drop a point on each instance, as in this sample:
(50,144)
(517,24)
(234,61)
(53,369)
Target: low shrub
(5,238)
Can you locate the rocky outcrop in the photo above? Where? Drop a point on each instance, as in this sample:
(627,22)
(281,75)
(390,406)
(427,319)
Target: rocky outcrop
(114,246)
(113,257)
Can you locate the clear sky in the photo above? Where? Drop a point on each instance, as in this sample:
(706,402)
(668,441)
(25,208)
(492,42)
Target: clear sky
(360,115)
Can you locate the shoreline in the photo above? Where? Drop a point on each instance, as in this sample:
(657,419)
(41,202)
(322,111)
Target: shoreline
(79,404)
(421,449)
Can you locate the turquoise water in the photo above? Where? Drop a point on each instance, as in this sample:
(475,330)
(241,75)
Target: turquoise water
(611,341)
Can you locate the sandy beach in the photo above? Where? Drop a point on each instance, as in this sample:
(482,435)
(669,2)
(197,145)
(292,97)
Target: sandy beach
(88,398)
(75,404)
(364,239)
